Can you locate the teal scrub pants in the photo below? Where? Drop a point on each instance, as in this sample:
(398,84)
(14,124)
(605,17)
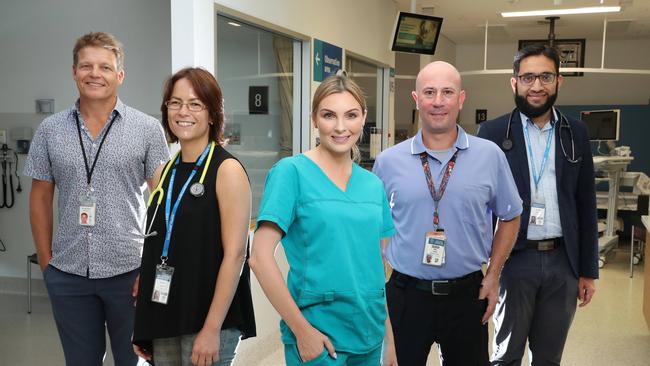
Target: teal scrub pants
(372,358)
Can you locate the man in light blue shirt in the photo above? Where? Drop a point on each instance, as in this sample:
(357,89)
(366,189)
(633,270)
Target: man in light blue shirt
(443,187)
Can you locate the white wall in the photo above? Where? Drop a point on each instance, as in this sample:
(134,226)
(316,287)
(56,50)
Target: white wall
(36,39)
(493,92)
(362,26)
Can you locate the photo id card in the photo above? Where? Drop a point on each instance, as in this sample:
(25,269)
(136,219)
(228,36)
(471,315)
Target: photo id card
(162,284)
(434,248)
(537,212)
(87,215)
(87,205)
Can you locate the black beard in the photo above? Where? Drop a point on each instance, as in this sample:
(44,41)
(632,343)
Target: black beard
(531,111)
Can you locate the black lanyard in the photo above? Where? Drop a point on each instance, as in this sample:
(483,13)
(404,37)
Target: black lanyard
(89,171)
(437,196)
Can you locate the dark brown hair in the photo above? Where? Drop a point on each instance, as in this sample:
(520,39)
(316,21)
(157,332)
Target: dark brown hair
(102,40)
(207,89)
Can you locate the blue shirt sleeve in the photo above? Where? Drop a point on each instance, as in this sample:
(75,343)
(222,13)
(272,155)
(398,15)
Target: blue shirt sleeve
(280,196)
(505,203)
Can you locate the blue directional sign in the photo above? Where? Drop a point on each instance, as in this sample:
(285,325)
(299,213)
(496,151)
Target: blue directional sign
(328,59)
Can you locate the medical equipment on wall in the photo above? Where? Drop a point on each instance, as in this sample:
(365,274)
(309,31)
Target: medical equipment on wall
(9,167)
(506,144)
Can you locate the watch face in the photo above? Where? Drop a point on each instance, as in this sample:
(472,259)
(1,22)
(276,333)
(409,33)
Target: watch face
(196,189)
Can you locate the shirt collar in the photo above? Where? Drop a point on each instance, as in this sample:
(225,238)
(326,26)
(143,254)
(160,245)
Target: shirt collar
(525,119)
(120,108)
(417,146)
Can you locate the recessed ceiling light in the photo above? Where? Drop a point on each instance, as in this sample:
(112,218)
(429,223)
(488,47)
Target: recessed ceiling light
(234,24)
(549,12)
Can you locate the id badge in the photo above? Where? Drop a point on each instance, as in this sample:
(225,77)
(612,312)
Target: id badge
(162,284)
(87,205)
(537,212)
(434,248)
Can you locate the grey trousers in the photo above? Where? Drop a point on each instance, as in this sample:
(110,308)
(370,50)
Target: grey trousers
(84,309)
(177,351)
(537,301)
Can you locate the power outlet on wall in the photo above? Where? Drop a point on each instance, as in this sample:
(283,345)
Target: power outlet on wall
(3,136)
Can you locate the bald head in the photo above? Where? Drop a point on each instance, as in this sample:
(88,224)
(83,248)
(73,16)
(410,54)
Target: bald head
(439,70)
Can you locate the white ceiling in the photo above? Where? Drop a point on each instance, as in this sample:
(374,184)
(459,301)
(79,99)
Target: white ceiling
(464,20)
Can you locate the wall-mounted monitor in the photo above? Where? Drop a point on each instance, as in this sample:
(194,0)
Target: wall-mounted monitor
(603,125)
(416,33)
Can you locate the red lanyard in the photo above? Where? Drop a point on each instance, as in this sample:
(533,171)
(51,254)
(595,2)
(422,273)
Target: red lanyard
(437,195)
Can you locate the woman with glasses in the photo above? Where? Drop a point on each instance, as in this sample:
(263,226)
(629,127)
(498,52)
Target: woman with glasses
(330,215)
(194,301)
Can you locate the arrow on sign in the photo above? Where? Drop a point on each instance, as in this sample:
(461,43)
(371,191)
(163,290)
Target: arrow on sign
(317,59)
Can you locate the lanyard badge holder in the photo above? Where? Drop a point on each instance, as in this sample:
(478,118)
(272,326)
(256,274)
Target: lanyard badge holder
(87,199)
(87,206)
(165,272)
(435,241)
(538,205)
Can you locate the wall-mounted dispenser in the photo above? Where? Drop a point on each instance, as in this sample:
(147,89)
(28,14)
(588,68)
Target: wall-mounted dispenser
(44,106)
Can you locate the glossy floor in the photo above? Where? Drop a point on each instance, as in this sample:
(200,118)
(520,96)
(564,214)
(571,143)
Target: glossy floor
(611,331)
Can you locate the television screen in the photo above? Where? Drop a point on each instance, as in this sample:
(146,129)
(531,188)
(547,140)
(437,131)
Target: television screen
(416,33)
(602,125)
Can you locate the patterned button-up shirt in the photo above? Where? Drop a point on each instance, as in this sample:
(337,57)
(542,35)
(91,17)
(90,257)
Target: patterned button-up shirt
(134,147)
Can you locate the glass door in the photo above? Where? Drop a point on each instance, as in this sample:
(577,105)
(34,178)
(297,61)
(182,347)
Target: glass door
(371,79)
(259,74)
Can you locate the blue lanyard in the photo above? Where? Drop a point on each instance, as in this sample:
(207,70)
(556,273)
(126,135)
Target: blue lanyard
(537,178)
(169,219)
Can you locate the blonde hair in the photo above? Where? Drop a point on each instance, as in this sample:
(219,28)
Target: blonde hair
(99,39)
(340,84)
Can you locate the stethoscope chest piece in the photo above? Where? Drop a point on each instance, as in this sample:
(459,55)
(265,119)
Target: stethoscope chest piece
(506,145)
(197,189)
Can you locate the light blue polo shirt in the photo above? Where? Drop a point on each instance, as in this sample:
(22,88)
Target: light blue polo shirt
(332,243)
(481,184)
(547,188)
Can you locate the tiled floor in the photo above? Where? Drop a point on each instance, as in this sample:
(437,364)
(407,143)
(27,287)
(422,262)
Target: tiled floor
(609,332)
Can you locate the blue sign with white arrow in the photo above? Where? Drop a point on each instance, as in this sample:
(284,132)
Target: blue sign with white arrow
(328,59)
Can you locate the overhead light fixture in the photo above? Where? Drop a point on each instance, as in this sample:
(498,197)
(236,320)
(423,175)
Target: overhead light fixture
(234,24)
(551,12)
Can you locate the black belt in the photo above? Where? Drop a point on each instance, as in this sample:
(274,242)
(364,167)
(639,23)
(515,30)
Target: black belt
(541,245)
(438,287)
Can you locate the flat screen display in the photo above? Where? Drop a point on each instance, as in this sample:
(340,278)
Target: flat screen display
(602,125)
(416,33)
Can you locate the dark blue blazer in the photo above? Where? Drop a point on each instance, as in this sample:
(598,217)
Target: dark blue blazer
(575,188)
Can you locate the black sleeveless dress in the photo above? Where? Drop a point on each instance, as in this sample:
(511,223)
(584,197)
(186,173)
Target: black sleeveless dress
(195,252)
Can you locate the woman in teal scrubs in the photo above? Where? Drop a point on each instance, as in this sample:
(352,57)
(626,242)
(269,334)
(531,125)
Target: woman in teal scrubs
(330,215)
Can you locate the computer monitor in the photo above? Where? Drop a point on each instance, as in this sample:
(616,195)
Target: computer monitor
(602,125)
(416,33)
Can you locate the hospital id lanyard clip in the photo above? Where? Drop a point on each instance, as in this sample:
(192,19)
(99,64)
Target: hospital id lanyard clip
(198,186)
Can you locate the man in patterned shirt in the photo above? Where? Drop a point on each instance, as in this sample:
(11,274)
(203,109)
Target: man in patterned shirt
(98,154)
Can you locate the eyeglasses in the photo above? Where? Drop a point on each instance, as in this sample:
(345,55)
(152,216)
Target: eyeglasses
(191,106)
(529,79)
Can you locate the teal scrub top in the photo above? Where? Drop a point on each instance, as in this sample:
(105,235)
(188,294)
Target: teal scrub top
(332,243)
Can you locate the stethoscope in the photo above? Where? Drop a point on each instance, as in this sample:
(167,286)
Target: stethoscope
(196,189)
(8,177)
(506,144)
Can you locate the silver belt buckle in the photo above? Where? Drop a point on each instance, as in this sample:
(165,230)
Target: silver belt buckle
(546,245)
(433,288)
